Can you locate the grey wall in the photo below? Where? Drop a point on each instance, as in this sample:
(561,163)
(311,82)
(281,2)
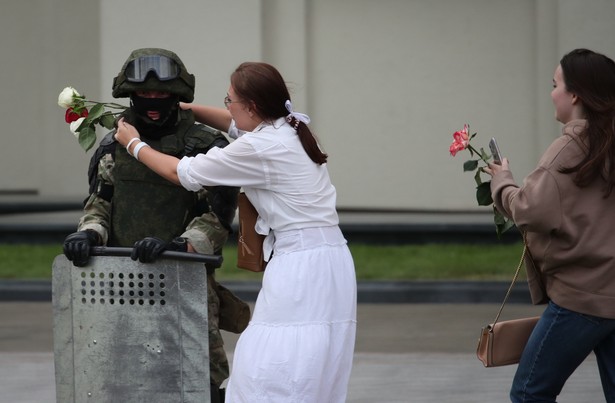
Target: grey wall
(385,82)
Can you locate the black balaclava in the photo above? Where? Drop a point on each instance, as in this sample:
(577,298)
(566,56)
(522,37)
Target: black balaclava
(155,129)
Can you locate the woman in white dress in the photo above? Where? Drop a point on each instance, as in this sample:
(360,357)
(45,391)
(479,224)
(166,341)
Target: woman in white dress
(299,344)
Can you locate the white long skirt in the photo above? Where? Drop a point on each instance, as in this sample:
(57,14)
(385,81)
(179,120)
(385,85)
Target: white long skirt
(299,344)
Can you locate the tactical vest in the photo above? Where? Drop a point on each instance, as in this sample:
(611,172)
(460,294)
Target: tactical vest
(145,204)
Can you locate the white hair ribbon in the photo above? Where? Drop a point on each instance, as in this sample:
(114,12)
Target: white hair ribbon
(301,117)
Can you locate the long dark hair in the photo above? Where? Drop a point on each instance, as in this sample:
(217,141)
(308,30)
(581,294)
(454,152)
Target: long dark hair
(262,85)
(591,77)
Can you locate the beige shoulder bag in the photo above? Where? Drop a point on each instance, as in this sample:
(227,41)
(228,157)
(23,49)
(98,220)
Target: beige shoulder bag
(502,343)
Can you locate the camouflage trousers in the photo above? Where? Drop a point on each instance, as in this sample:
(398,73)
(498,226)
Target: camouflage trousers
(218,362)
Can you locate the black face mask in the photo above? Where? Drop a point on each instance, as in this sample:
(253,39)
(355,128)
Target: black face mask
(167,107)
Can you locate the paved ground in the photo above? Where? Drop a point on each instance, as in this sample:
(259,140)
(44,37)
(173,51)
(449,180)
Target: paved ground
(404,353)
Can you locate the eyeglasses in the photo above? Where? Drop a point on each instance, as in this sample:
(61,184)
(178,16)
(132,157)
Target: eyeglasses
(227,101)
(164,67)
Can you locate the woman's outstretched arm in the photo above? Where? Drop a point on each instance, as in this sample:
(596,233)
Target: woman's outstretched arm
(218,118)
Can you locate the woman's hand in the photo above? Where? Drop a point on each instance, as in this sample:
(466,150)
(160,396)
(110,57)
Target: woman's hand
(126,132)
(493,169)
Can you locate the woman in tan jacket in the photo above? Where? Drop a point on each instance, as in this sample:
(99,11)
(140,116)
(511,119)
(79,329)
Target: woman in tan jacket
(566,206)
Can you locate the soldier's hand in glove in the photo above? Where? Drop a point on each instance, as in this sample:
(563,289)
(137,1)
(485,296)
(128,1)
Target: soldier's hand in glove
(77,246)
(149,249)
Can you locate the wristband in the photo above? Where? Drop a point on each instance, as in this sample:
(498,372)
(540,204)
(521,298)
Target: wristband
(130,143)
(138,148)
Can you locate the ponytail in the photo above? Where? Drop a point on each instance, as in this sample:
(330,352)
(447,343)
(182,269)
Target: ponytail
(308,140)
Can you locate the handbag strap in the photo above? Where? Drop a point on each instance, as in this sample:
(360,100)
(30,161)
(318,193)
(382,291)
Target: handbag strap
(525,252)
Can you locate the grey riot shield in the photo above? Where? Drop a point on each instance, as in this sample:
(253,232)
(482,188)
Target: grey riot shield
(125,331)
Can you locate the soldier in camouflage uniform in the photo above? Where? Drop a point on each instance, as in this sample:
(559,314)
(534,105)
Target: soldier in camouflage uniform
(129,205)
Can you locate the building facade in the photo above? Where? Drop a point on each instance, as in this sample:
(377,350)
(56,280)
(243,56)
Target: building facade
(386,82)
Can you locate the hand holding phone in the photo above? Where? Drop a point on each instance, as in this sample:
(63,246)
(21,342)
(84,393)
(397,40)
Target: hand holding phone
(495,151)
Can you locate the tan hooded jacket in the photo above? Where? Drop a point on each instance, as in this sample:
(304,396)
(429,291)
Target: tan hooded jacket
(570,230)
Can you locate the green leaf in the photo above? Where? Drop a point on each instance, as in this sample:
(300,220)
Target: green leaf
(96,111)
(502,228)
(502,224)
(107,120)
(87,137)
(498,218)
(483,194)
(470,165)
(94,115)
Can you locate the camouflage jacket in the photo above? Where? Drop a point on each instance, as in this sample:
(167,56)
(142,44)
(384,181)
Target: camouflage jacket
(202,227)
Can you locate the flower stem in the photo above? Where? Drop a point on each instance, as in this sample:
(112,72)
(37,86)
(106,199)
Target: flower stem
(107,104)
(473,150)
(482,157)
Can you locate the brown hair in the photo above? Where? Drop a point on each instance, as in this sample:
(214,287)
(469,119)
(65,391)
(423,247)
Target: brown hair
(591,77)
(263,86)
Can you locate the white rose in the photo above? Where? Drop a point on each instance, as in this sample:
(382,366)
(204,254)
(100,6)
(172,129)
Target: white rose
(75,125)
(65,99)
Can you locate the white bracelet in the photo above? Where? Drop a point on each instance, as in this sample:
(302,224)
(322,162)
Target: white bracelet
(130,143)
(138,148)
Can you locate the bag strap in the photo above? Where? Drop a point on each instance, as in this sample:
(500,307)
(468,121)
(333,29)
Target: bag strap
(523,254)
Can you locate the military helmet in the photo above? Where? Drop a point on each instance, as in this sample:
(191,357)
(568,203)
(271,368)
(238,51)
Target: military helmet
(153,69)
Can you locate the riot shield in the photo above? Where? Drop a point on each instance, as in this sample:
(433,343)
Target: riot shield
(126,331)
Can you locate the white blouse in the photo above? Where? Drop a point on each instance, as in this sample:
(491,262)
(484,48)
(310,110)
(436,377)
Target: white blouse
(286,187)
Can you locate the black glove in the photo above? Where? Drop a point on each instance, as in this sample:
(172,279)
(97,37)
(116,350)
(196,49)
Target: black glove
(149,249)
(77,246)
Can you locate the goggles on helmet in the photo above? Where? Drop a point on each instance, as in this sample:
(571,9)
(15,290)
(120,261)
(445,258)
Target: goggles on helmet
(164,67)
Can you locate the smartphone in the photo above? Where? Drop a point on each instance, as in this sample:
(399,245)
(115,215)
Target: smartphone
(495,151)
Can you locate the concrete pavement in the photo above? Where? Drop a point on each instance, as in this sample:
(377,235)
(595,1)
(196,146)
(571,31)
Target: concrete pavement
(415,340)
(404,353)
